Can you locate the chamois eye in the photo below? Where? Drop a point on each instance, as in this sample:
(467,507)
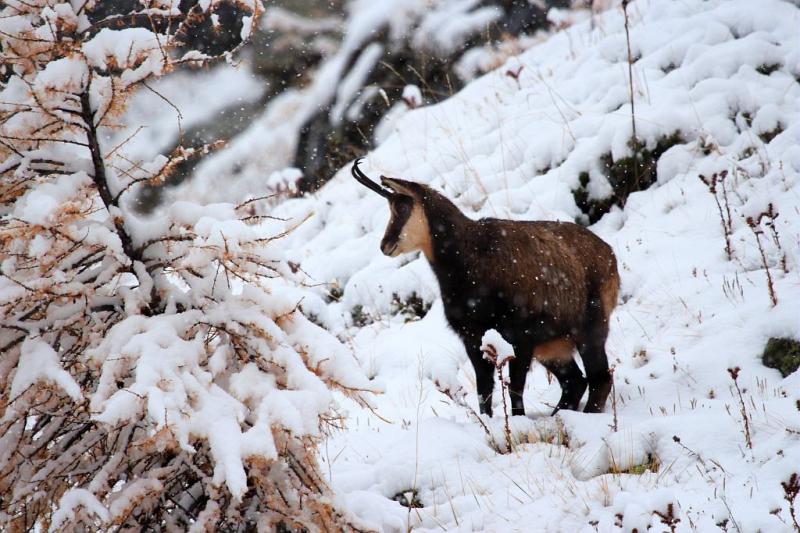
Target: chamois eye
(402,208)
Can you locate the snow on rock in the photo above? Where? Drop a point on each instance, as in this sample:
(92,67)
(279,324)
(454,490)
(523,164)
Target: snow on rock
(723,77)
(39,362)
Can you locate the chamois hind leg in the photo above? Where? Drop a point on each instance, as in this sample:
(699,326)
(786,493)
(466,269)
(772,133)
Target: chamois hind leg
(593,347)
(556,356)
(597,374)
(595,361)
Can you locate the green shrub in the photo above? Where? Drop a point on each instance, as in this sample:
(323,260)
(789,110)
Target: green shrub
(782,354)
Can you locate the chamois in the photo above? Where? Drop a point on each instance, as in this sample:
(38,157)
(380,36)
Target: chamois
(547,287)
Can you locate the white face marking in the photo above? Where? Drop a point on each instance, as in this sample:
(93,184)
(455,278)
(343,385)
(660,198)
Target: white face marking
(414,234)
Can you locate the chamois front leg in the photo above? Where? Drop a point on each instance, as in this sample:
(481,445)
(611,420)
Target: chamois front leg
(484,373)
(517,372)
(484,377)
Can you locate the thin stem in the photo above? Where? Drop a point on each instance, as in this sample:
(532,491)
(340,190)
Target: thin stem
(503,390)
(613,399)
(757,231)
(630,71)
(734,372)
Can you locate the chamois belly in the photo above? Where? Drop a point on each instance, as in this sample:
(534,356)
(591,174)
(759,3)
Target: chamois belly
(474,312)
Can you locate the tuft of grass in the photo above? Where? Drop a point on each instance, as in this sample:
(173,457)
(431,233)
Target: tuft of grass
(637,171)
(666,69)
(359,316)
(335,293)
(651,464)
(412,307)
(556,435)
(768,68)
(593,209)
(408,498)
(767,136)
(626,175)
(747,153)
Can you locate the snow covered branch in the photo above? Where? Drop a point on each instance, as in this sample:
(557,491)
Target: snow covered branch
(155,371)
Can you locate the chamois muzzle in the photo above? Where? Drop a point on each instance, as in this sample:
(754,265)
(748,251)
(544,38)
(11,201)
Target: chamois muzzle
(366,182)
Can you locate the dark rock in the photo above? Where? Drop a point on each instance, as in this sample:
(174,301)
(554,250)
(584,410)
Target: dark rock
(782,354)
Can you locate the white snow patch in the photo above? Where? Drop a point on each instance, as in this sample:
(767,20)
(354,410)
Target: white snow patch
(39,362)
(495,348)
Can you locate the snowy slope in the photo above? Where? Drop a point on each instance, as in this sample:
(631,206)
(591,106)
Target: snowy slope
(156,119)
(724,74)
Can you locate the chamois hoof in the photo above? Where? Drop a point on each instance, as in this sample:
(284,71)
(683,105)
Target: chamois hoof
(593,408)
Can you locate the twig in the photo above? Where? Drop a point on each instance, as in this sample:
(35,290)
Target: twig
(630,70)
(757,231)
(178,111)
(726,221)
(734,372)
(490,354)
(613,399)
(669,519)
(771,215)
(791,488)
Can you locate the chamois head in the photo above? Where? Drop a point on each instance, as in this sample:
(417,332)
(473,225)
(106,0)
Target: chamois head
(408,229)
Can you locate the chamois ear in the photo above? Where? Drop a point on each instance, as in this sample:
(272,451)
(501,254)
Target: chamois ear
(398,186)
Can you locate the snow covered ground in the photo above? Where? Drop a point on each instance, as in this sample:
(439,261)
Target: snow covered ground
(725,76)
(675,452)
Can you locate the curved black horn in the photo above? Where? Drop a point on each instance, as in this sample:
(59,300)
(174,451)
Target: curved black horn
(366,182)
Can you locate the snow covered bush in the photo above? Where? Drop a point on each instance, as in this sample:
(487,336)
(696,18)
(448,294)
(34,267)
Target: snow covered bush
(156,374)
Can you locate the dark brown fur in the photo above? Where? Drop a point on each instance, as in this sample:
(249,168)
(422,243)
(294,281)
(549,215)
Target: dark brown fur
(545,286)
